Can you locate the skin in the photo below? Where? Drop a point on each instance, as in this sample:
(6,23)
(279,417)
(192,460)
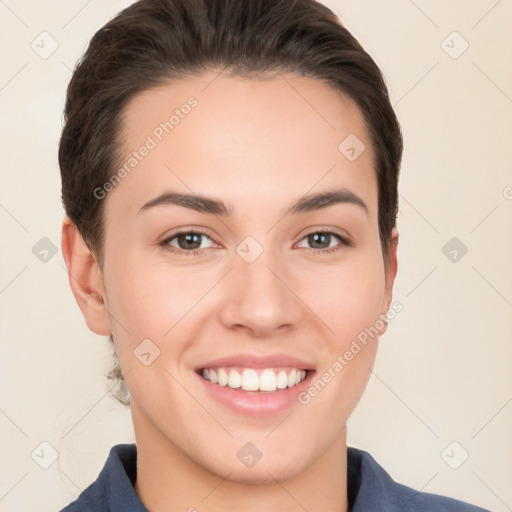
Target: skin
(258,145)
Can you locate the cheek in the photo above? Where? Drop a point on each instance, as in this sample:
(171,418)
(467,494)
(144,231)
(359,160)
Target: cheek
(163,303)
(351,308)
(347,298)
(149,298)
(146,303)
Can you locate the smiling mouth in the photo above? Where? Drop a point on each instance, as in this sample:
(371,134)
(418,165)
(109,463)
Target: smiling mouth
(258,380)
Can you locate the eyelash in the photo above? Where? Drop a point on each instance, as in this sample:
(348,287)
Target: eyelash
(344,242)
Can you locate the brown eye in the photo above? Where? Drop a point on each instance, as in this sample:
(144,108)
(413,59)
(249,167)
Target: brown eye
(186,242)
(189,241)
(319,240)
(325,241)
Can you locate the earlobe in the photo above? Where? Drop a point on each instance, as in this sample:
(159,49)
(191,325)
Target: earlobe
(85,279)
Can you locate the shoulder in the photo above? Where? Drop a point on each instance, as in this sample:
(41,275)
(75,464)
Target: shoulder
(113,489)
(372,488)
(94,497)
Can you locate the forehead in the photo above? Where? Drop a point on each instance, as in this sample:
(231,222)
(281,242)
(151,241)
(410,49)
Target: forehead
(253,139)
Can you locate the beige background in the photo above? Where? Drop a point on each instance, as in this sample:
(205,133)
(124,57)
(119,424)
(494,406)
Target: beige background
(444,369)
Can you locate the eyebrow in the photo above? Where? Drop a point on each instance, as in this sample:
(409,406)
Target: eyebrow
(210,205)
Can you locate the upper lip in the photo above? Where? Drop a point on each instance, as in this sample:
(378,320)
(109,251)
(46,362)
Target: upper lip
(256,361)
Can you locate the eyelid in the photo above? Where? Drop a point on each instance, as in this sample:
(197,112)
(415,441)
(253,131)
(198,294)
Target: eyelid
(328,229)
(186,229)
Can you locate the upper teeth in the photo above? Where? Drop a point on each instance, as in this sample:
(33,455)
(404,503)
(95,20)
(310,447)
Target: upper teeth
(249,380)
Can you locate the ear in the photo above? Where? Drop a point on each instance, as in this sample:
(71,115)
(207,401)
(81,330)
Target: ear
(85,279)
(390,273)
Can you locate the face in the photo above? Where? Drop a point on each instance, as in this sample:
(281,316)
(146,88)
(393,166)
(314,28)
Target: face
(248,285)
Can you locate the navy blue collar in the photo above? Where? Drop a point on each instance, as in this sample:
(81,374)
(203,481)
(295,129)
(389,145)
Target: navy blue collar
(370,488)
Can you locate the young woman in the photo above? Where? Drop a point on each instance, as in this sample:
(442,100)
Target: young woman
(229,174)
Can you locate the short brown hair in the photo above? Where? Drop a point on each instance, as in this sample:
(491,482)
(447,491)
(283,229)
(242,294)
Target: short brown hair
(153,42)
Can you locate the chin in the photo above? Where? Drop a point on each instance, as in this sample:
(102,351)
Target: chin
(262,473)
(264,465)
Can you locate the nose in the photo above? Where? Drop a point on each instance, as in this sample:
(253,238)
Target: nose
(260,297)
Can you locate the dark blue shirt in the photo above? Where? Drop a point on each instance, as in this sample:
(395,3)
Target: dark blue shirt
(370,488)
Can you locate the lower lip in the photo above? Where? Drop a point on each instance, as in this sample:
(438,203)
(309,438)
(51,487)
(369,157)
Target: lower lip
(257,404)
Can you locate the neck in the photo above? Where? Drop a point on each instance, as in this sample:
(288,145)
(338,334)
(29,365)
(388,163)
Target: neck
(169,480)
